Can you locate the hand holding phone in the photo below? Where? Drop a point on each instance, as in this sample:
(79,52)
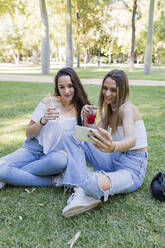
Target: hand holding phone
(82,133)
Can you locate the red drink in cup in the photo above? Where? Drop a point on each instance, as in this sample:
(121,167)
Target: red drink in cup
(92,116)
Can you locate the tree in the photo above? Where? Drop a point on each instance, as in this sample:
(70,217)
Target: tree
(148,49)
(10,6)
(69,43)
(77,9)
(45,47)
(132,54)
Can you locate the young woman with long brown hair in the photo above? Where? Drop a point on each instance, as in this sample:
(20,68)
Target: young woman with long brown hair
(42,155)
(119,149)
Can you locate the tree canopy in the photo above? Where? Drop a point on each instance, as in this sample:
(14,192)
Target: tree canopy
(101,31)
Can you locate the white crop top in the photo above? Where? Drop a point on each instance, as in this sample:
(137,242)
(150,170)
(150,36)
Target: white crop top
(50,136)
(140,133)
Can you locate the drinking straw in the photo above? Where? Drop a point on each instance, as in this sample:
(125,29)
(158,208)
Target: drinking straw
(51,99)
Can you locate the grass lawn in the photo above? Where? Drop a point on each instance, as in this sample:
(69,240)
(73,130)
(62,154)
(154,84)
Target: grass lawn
(138,74)
(89,72)
(33,218)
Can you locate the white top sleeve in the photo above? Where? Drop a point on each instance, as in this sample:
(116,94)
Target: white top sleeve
(38,112)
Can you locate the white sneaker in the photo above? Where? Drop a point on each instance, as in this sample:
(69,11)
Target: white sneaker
(2,184)
(78,203)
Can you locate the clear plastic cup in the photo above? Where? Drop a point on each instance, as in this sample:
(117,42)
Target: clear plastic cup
(92,115)
(55,108)
(57,105)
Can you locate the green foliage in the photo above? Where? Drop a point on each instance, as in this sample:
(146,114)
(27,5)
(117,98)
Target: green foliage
(98,25)
(11,6)
(33,218)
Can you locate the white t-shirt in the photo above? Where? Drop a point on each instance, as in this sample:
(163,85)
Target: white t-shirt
(50,136)
(140,133)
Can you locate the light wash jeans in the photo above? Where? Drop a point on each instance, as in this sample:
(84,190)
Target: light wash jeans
(29,166)
(126,170)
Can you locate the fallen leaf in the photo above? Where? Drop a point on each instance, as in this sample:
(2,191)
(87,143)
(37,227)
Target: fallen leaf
(41,204)
(74,239)
(20,217)
(28,191)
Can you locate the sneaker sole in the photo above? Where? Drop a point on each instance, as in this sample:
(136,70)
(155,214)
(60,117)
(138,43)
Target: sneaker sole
(78,210)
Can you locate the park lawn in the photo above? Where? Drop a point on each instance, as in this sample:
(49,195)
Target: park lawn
(33,218)
(137,74)
(157,74)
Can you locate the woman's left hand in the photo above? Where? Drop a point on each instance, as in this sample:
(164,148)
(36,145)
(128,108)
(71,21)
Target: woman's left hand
(102,140)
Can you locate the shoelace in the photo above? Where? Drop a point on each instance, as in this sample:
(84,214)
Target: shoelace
(71,197)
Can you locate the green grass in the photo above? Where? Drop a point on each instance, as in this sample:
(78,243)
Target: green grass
(133,220)
(138,74)
(91,72)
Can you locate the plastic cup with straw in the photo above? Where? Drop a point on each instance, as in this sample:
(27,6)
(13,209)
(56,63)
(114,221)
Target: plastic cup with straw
(56,105)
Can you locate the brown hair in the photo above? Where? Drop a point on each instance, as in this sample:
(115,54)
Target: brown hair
(122,86)
(80,97)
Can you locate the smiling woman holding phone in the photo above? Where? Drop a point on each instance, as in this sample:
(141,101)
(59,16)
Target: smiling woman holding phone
(118,151)
(42,155)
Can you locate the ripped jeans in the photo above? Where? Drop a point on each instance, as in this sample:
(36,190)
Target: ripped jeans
(126,170)
(29,166)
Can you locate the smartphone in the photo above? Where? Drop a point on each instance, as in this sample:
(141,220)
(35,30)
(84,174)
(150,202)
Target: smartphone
(81,133)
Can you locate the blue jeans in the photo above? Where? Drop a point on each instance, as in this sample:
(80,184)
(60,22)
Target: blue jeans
(126,170)
(29,166)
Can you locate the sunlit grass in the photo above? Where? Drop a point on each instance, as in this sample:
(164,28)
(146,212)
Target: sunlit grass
(134,220)
(90,71)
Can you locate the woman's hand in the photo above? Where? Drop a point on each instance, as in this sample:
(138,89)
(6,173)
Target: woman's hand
(86,111)
(50,114)
(102,140)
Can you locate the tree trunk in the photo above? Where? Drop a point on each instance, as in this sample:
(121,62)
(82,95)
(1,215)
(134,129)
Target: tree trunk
(45,46)
(35,56)
(69,44)
(148,49)
(78,39)
(16,56)
(132,54)
(78,55)
(111,45)
(98,58)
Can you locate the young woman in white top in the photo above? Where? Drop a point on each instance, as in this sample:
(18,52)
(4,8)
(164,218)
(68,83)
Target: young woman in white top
(42,154)
(119,149)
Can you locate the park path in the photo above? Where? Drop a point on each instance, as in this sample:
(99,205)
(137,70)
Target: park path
(48,79)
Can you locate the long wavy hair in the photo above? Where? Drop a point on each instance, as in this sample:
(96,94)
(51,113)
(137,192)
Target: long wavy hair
(122,86)
(80,97)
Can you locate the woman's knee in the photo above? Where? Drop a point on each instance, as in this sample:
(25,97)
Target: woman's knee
(4,172)
(59,159)
(103,182)
(97,185)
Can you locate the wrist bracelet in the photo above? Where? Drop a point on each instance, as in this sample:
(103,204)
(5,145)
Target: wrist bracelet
(42,124)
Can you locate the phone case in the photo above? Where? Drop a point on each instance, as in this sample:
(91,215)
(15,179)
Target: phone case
(81,133)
